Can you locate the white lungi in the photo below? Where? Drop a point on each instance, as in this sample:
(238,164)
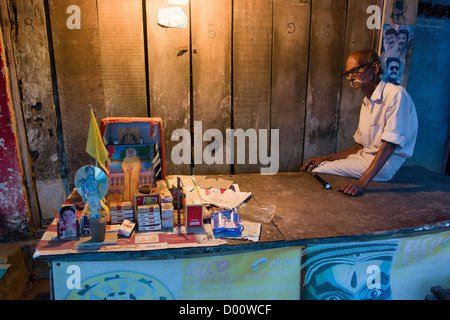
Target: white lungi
(389,115)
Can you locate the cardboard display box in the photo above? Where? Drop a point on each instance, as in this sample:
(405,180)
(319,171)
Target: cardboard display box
(146,199)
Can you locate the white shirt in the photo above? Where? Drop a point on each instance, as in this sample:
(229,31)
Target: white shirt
(389,115)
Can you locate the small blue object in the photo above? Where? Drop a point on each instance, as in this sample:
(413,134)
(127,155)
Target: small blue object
(227,223)
(3,268)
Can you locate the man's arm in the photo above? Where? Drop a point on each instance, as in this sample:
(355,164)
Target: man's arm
(314,162)
(378,162)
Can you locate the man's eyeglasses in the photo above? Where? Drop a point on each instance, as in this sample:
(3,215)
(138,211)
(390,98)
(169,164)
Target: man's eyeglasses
(354,72)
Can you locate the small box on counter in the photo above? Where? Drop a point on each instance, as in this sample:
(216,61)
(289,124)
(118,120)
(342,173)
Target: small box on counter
(126,228)
(193,207)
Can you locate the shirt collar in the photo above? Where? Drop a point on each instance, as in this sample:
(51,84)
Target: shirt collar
(377,95)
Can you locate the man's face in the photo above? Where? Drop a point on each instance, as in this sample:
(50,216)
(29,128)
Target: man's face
(365,74)
(390,40)
(402,40)
(393,70)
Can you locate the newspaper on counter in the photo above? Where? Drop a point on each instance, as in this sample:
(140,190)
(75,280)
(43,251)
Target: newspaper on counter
(227,200)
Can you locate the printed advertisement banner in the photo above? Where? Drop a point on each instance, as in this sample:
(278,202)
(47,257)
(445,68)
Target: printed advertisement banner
(268,274)
(398,269)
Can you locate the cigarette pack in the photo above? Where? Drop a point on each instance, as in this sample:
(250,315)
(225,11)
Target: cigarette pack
(120,220)
(126,228)
(167,223)
(155,227)
(193,207)
(148,208)
(166,211)
(148,215)
(126,205)
(149,221)
(122,216)
(117,212)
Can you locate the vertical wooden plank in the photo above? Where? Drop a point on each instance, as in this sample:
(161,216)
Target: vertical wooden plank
(33,70)
(252,56)
(211,68)
(123,58)
(291,21)
(79,74)
(169,78)
(357,37)
(324,79)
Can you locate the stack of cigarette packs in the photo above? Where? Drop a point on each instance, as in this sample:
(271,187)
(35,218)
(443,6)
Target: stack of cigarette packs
(167,215)
(121,211)
(148,217)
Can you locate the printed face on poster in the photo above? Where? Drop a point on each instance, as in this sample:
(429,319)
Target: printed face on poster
(67,223)
(397,42)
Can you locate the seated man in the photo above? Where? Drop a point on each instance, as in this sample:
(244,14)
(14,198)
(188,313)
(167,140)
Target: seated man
(386,132)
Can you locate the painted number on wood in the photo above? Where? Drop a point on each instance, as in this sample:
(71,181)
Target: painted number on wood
(326,31)
(211,33)
(29,24)
(291,27)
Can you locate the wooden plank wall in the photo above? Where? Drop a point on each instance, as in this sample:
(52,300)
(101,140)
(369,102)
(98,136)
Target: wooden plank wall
(211,77)
(169,78)
(327,34)
(291,21)
(123,57)
(239,64)
(356,38)
(252,57)
(78,69)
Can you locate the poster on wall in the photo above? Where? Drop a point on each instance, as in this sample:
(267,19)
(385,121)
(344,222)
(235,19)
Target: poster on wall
(397,269)
(397,42)
(267,274)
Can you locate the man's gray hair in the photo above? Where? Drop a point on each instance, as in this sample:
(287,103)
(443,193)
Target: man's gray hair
(371,56)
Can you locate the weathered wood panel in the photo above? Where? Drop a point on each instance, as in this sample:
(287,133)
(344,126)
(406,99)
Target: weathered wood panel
(325,72)
(357,37)
(14,210)
(291,20)
(252,57)
(123,57)
(34,75)
(169,78)
(211,69)
(33,71)
(79,74)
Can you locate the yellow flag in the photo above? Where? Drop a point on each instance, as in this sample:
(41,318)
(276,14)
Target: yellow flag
(95,146)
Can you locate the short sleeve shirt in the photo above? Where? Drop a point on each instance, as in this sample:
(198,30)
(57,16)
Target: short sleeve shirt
(389,115)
